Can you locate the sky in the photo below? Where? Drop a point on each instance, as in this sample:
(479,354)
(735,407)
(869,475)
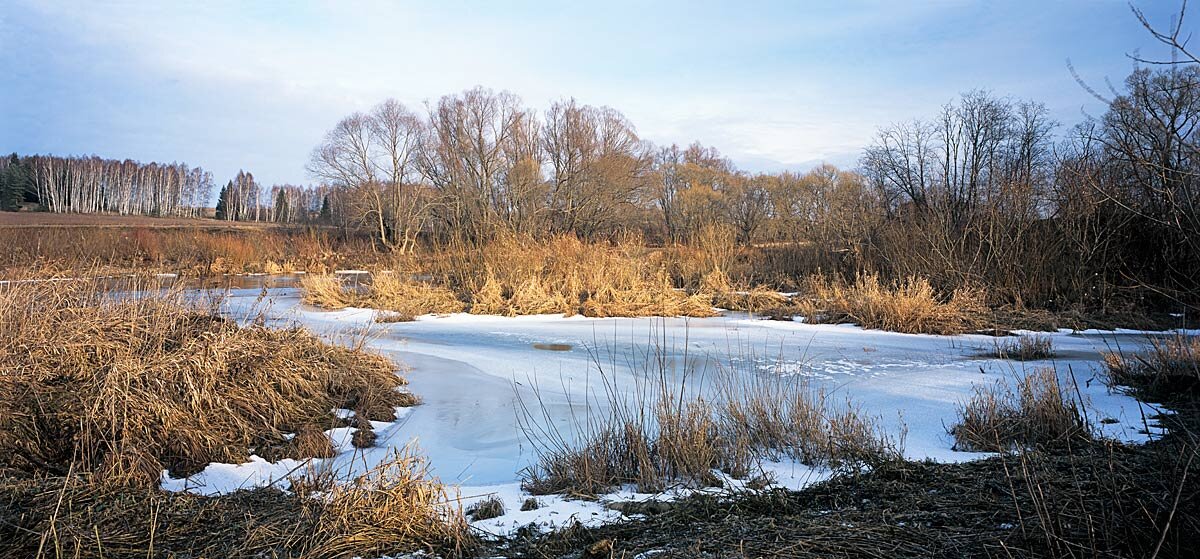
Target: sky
(772,85)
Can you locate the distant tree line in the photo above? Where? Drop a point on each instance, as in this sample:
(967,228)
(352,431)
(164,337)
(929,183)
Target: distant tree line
(96,185)
(243,199)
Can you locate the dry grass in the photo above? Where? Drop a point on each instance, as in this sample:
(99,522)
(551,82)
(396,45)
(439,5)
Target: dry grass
(661,433)
(521,276)
(326,291)
(400,299)
(186,250)
(788,418)
(910,306)
(126,386)
(1024,348)
(738,296)
(488,508)
(396,507)
(998,418)
(1168,371)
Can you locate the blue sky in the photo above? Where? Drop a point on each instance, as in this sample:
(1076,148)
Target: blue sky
(254,85)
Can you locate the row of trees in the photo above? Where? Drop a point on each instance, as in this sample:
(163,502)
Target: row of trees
(479,162)
(243,199)
(95,185)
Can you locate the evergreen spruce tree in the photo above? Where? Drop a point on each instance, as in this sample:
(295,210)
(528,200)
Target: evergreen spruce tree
(281,207)
(14,184)
(326,211)
(223,202)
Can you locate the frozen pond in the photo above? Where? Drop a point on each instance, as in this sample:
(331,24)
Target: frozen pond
(473,372)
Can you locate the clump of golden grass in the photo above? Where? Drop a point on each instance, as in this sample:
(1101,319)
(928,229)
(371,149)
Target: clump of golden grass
(1037,413)
(488,508)
(911,306)
(402,298)
(326,291)
(396,507)
(125,386)
(666,435)
(1025,348)
(390,292)
(653,296)
(739,297)
(1169,370)
(515,275)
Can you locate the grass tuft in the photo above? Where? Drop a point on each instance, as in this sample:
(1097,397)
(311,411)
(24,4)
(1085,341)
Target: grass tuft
(1036,414)
(488,508)
(1168,371)
(1024,348)
(911,306)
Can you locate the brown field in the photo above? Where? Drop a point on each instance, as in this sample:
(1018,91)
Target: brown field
(46,219)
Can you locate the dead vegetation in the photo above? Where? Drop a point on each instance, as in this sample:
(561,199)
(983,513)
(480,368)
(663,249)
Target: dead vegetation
(395,507)
(670,435)
(1098,501)
(1036,413)
(488,508)
(911,306)
(1027,347)
(104,392)
(125,386)
(1168,371)
(398,298)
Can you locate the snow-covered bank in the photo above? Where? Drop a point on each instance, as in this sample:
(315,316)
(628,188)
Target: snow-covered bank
(472,372)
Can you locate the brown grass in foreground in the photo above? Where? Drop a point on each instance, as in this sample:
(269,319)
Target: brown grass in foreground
(396,507)
(104,391)
(1037,413)
(125,386)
